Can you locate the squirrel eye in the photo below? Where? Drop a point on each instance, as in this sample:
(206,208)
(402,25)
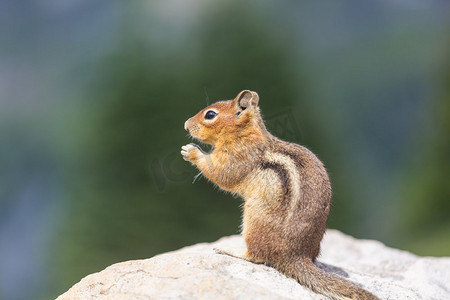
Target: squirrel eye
(210,114)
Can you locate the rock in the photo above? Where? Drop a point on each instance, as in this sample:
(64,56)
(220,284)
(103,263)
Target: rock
(196,272)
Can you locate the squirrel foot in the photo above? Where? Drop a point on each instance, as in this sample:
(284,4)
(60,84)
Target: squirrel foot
(190,152)
(238,253)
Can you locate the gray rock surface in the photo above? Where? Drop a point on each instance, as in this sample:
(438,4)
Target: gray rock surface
(196,272)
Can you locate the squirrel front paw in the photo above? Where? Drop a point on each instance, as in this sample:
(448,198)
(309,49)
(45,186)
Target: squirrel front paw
(190,152)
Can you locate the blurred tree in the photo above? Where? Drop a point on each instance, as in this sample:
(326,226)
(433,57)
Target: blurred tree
(133,197)
(427,201)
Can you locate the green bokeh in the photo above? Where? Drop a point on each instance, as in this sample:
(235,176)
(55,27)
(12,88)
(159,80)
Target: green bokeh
(95,143)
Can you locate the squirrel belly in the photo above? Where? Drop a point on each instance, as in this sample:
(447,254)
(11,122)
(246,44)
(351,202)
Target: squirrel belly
(285,188)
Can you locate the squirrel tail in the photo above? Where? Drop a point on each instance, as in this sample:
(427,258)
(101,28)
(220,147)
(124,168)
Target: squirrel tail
(309,275)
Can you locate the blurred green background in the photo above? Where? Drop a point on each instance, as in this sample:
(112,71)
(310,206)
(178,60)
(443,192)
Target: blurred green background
(94,94)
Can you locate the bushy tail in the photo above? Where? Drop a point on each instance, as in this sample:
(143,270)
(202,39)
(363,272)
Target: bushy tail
(309,275)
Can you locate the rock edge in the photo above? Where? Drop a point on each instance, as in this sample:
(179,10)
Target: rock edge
(196,272)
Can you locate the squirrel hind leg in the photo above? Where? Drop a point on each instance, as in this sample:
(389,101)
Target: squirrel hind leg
(238,253)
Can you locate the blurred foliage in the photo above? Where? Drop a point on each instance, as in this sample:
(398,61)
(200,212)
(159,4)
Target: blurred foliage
(351,91)
(427,193)
(136,198)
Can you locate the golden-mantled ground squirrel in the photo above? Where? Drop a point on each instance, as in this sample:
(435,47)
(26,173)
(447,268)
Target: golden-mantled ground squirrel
(285,188)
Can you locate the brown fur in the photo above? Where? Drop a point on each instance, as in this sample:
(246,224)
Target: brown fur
(285,188)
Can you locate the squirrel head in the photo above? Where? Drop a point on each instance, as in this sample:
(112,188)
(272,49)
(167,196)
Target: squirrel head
(229,121)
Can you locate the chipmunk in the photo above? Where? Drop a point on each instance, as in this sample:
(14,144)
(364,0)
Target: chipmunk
(285,188)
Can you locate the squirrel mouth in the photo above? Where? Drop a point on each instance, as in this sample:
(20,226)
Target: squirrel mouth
(208,148)
(192,133)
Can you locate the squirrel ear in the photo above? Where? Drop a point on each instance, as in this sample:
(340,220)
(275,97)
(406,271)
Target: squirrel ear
(246,98)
